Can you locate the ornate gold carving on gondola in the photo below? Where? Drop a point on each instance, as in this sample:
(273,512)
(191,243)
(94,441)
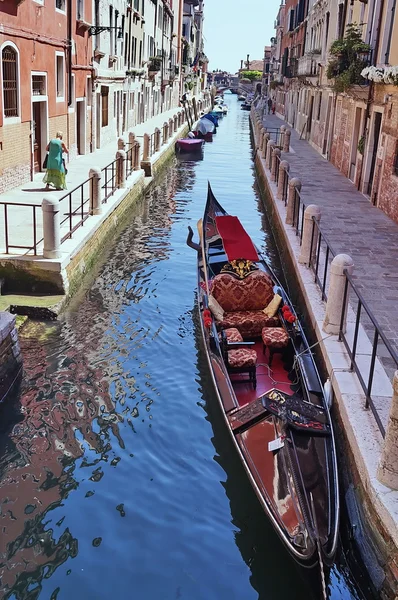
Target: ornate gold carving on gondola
(240,268)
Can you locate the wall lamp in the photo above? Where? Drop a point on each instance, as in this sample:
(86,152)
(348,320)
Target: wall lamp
(96,29)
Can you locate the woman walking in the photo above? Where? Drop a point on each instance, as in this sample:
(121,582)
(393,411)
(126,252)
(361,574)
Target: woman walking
(55,168)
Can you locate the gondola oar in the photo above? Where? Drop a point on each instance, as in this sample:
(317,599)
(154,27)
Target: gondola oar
(202,243)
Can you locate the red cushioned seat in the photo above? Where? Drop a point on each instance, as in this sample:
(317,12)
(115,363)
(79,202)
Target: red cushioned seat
(242,358)
(276,339)
(232,334)
(248,322)
(243,301)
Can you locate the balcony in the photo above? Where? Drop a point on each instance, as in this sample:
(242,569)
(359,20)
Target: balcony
(308,66)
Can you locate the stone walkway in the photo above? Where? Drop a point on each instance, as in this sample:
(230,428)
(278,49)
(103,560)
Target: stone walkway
(20,219)
(353,226)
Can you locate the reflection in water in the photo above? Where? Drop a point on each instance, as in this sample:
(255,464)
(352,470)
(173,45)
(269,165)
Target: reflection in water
(108,477)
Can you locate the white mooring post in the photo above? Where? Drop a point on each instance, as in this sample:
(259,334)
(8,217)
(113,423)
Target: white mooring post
(266,139)
(286,140)
(284,169)
(294,184)
(276,153)
(334,305)
(387,472)
(311,212)
(121,169)
(51,227)
(145,156)
(95,191)
(270,149)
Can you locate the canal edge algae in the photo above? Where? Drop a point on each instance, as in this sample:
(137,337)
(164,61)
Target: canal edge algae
(61,277)
(362,451)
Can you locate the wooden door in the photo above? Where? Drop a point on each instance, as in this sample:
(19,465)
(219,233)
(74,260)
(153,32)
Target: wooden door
(36,137)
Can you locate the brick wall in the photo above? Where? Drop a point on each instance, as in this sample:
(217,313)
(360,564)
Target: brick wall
(15,155)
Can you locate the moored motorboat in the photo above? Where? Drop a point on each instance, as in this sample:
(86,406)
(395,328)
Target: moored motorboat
(246,106)
(189,144)
(241,98)
(268,388)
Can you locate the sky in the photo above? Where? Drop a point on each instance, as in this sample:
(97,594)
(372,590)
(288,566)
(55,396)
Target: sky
(235,28)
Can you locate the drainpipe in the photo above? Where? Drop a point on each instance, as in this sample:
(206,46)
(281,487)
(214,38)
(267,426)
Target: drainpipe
(69,62)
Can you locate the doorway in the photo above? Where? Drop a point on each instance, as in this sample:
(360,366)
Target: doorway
(98,122)
(327,125)
(373,147)
(81,126)
(39,133)
(355,140)
(36,137)
(309,120)
(124,111)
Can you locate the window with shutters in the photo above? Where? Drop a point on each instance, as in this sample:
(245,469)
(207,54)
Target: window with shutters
(9,59)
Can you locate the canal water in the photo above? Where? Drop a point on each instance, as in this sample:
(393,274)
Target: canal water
(118,479)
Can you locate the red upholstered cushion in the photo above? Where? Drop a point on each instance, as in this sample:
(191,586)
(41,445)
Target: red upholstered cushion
(232,334)
(252,293)
(241,358)
(248,322)
(275,337)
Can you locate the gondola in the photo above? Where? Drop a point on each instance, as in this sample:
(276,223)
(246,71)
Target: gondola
(268,388)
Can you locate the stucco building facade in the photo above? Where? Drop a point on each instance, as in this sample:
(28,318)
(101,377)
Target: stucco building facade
(356,129)
(91,69)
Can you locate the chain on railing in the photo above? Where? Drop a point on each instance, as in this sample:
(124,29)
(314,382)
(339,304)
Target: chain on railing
(109,186)
(35,234)
(78,199)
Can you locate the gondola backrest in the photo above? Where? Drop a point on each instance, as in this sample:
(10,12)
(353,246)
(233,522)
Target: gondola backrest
(254,292)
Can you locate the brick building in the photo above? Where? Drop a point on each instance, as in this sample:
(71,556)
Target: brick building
(92,70)
(356,129)
(45,83)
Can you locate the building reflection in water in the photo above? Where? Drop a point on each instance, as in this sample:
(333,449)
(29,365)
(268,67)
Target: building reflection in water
(78,387)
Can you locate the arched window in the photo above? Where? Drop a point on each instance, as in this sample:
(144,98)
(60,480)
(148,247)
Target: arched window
(9,59)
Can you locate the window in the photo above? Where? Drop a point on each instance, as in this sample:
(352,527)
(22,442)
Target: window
(395,167)
(9,59)
(89,91)
(131,100)
(60,76)
(104,105)
(319,106)
(39,85)
(80,10)
(60,5)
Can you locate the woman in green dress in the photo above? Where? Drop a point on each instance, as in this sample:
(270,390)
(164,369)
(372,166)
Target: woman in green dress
(55,170)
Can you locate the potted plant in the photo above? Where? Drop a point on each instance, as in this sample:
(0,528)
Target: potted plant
(155,63)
